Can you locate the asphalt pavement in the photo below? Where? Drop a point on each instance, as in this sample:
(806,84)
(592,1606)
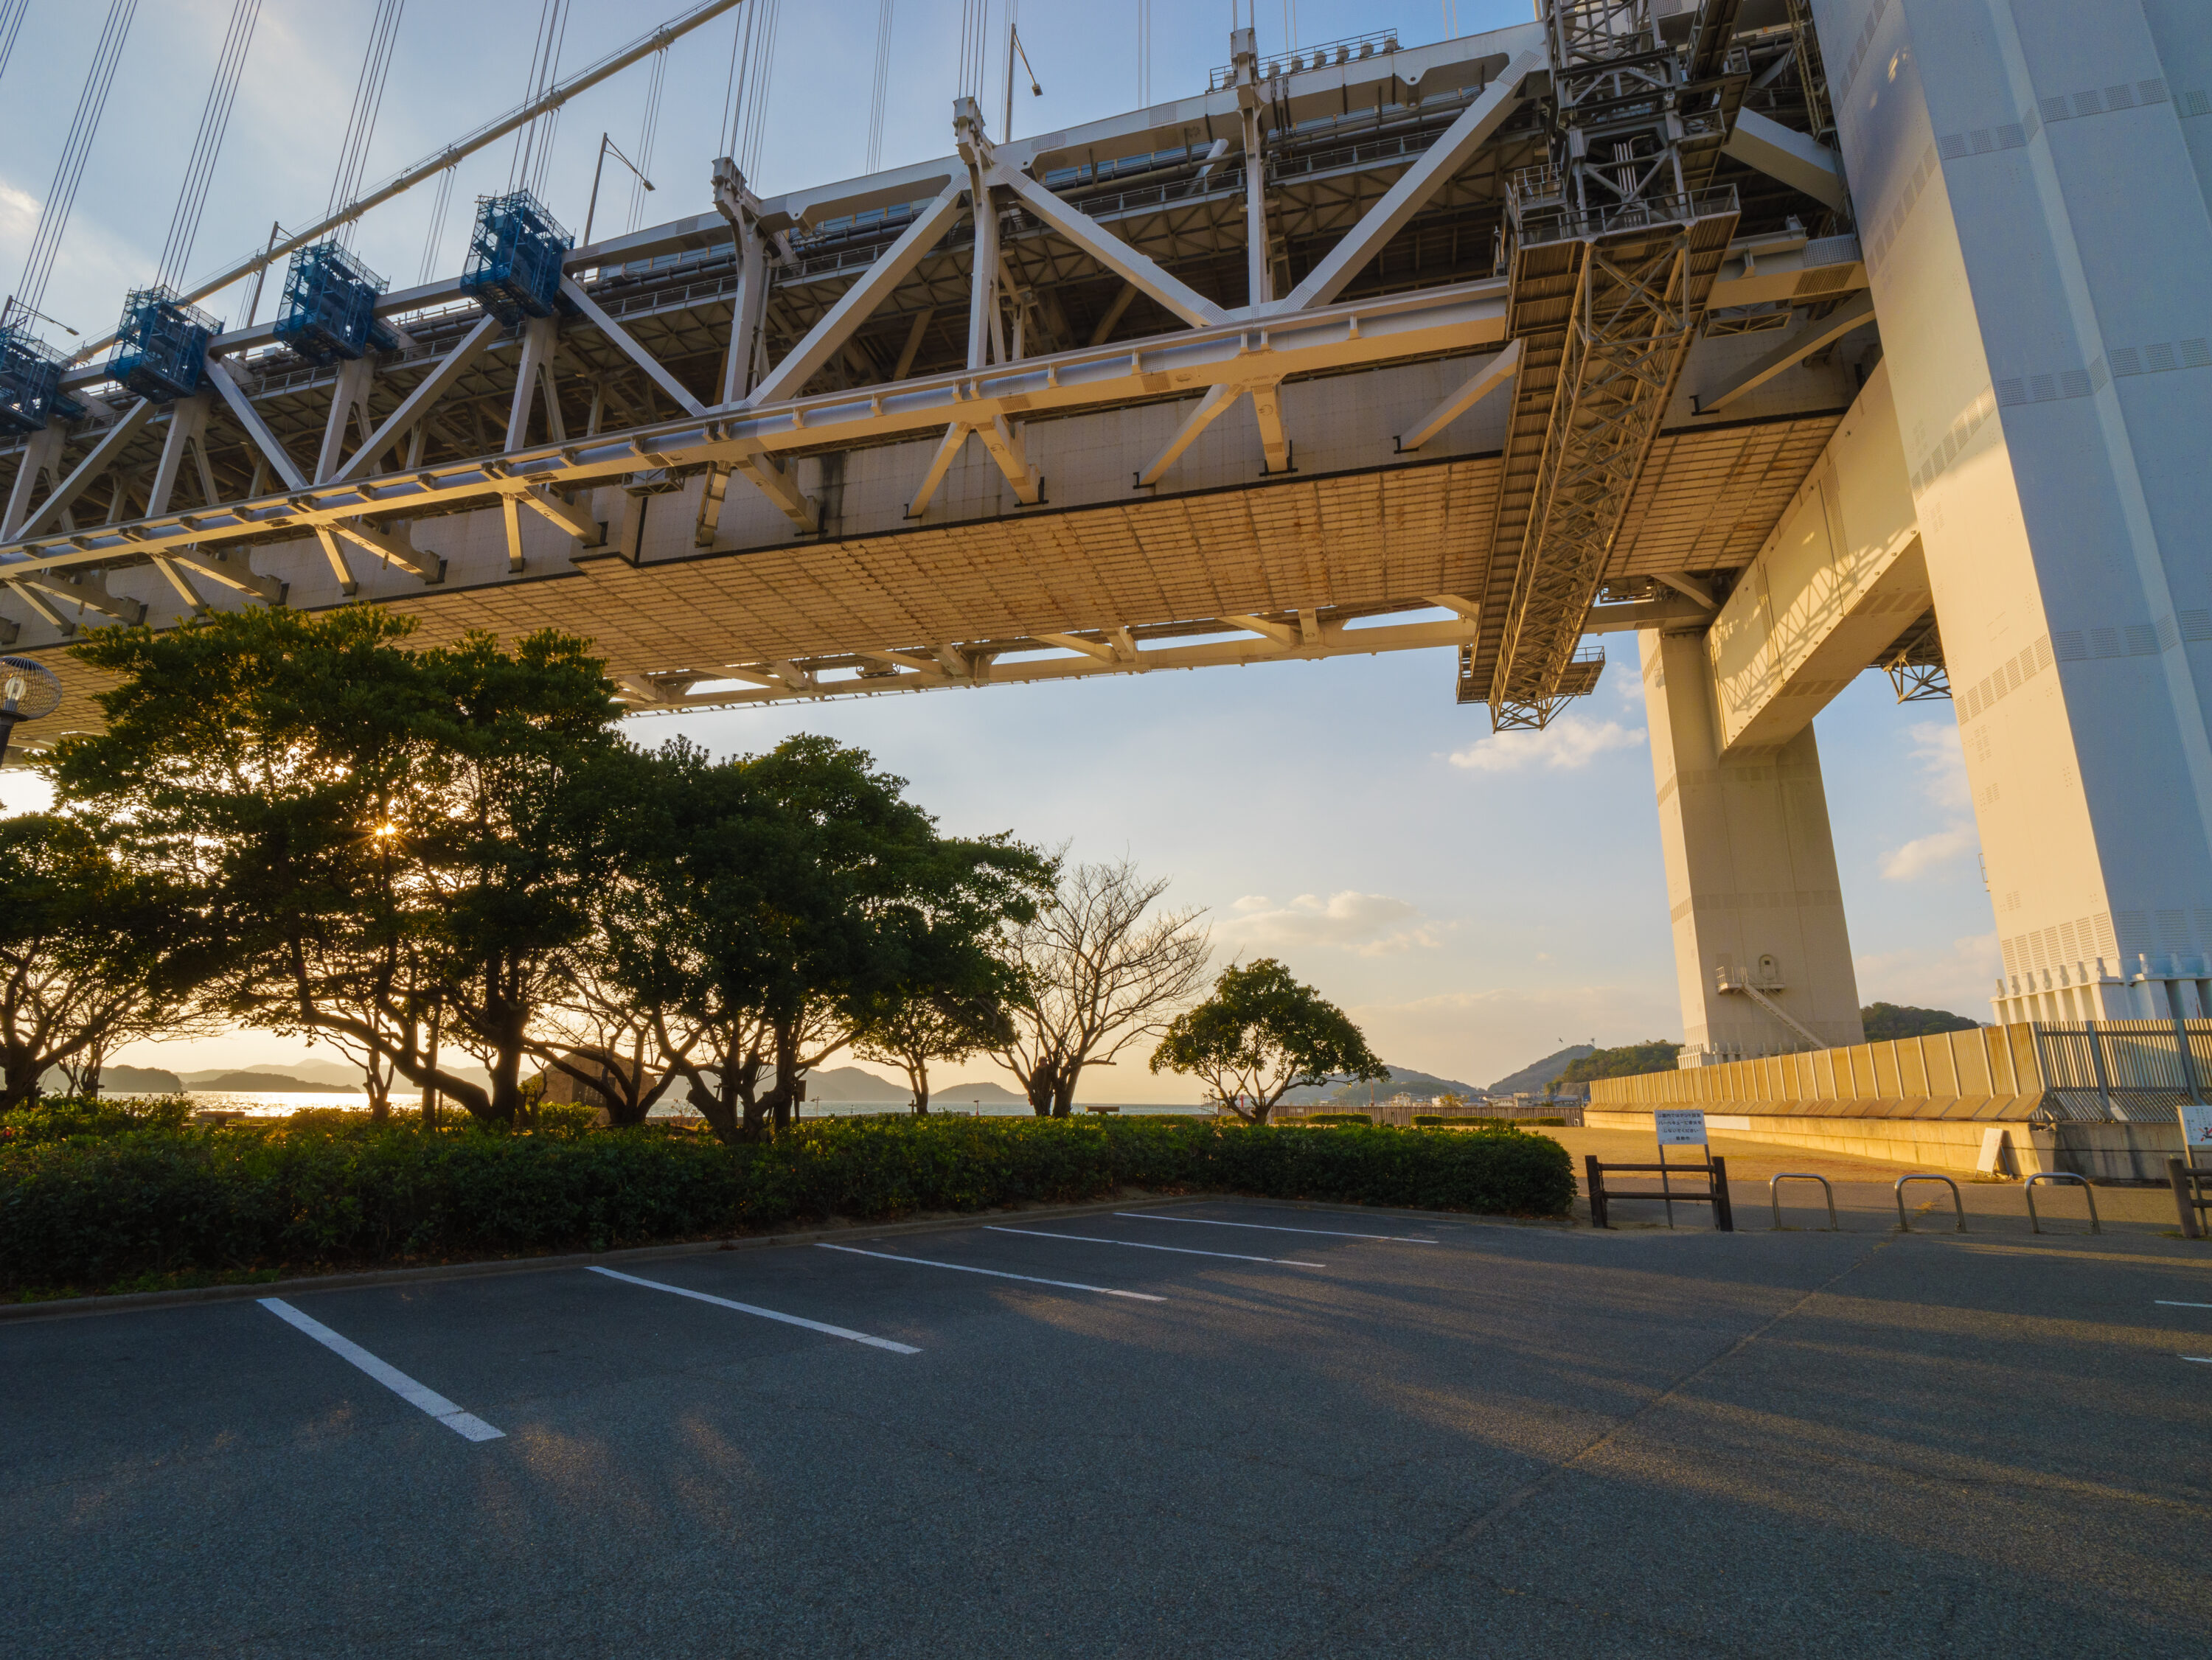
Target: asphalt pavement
(1318,1431)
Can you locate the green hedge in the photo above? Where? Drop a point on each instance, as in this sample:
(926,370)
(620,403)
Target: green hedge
(144,1206)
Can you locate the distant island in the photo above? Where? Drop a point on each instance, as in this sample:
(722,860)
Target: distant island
(1404,1080)
(265,1083)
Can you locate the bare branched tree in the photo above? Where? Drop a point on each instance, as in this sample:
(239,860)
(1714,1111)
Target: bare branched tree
(1100,970)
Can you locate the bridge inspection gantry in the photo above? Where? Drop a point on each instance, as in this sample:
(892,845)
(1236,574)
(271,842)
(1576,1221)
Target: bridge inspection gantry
(1499,343)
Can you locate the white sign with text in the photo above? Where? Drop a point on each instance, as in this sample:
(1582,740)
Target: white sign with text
(2195,1132)
(1679,1127)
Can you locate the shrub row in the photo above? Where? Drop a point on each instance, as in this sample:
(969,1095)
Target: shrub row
(95,1212)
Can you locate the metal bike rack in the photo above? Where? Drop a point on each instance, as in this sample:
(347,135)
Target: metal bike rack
(1774,1192)
(2034,1222)
(1904,1226)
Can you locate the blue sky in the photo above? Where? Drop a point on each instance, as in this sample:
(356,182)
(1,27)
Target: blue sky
(1474,902)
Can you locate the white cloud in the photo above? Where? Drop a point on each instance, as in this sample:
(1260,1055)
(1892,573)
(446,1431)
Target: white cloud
(1564,746)
(1367,924)
(1941,763)
(1960,978)
(1941,758)
(1925,853)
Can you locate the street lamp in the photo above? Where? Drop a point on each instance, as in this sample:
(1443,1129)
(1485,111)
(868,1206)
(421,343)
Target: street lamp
(16,308)
(28,691)
(606,144)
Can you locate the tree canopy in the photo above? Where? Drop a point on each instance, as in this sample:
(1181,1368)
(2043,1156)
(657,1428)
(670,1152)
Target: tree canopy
(1098,968)
(1888,1021)
(1628,1061)
(1261,1034)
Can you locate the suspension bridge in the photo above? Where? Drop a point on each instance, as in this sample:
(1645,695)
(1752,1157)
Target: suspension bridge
(1789,336)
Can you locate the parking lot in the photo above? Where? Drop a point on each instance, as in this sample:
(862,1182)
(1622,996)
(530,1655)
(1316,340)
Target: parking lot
(1216,1427)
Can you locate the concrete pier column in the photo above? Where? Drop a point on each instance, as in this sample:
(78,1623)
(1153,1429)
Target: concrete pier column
(2031,179)
(1760,950)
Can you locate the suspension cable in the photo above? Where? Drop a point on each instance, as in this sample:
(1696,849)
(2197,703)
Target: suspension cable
(648,131)
(534,145)
(11,20)
(975,31)
(215,119)
(882,86)
(368,102)
(434,238)
(760,69)
(68,172)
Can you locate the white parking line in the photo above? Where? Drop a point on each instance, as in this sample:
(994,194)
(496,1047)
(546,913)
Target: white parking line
(1269,1227)
(2199,1359)
(1180,1250)
(2162,1302)
(764,1313)
(466,1425)
(962,1268)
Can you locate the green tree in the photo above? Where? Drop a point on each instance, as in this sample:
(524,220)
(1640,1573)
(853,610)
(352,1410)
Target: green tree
(1655,1055)
(918,1023)
(91,953)
(1886,1020)
(1261,1032)
(783,901)
(1099,969)
(389,843)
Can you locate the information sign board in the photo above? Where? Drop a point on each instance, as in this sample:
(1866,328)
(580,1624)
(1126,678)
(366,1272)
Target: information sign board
(1679,1127)
(2196,1131)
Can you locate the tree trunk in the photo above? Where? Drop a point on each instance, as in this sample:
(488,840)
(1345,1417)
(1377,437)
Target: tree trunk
(23,1075)
(1063,1094)
(1043,1085)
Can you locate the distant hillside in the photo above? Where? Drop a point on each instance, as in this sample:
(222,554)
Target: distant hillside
(1886,1021)
(849,1083)
(1404,1080)
(267,1083)
(1540,1074)
(1629,1061)
(980,1090)
(120,1081)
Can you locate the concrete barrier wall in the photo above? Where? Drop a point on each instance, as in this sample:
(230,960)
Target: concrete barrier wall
(2101,1152)
(1989,1072)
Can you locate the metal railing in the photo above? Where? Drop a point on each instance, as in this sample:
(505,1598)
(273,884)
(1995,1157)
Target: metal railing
(2124,1071)
(1352,49)
(1774,1193)
(1906,1226)
(2035,1222)
(1536,222)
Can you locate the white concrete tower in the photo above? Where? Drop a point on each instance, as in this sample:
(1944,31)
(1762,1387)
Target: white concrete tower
(2031,179)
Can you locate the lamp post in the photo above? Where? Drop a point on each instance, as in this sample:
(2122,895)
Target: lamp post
(28,691)
(607,143)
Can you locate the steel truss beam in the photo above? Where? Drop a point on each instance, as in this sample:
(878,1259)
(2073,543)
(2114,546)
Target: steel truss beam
(1432,322)
(1292,637)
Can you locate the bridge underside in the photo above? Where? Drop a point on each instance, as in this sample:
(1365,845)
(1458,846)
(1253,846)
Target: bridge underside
(1150,412)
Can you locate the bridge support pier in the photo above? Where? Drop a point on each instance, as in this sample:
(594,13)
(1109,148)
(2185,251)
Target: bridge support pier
(2034,213)
(1760,949)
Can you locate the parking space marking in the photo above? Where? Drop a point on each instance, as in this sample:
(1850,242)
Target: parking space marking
(2162,1302)
(2198,1360)
(1180,1250)
(1270,1227)
(996,1274)
(764,1313)
(466,1424)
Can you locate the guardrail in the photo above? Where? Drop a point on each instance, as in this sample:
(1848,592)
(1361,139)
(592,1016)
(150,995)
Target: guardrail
(1904,1226)
(1774,1193)
(2035,1222)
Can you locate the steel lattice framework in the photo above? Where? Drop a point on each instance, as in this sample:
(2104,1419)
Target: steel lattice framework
(1209,382)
